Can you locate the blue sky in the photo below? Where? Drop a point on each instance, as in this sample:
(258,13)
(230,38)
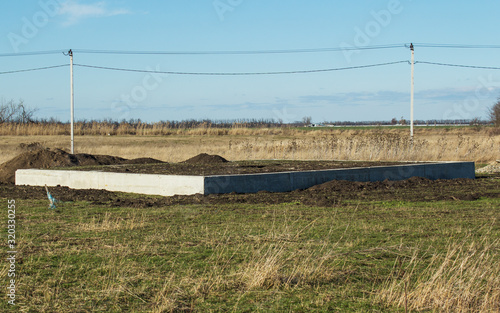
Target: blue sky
(378,93)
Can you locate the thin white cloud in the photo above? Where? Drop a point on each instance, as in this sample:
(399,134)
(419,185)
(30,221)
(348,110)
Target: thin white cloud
(387,97)
(74,12)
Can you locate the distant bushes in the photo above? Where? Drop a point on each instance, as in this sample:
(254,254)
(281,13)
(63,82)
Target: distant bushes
(17,120)
(12,112)
(130,127)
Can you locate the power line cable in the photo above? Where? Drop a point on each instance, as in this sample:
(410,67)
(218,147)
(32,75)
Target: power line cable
(238,73)
(22,54)
(459,65)
(215,52)
(239,52)
(236,52)
(35,69)
(250,73)
(455,46)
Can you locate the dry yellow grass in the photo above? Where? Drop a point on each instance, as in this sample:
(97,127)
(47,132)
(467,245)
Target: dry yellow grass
(432,144)
(108,223)
(462,279)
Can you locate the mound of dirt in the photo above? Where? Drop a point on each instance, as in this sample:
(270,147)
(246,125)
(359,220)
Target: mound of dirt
(48,158)
(204,158)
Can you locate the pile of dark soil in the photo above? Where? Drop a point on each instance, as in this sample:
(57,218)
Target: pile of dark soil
(204,158)
(49,158)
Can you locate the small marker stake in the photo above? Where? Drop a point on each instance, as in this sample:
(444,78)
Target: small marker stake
(52,200)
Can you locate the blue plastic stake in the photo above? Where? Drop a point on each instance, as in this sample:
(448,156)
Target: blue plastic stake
(52,200)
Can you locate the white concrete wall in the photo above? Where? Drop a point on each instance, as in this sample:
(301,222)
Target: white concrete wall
(163,185)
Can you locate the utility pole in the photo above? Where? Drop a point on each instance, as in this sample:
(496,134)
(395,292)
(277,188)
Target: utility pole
(412,88)
(70,53)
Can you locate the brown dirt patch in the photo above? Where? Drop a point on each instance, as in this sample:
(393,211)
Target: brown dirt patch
(231,168)
(204,158)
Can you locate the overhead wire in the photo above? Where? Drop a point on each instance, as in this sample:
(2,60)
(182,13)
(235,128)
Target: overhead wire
(236,52)
(242,52)
(214,52)
(35,69)
(459,65)
(238,73)
(249,73)
(22,54)
(455,46)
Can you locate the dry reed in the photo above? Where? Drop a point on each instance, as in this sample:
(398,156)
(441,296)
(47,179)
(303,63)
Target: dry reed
(462,279)
(461,144)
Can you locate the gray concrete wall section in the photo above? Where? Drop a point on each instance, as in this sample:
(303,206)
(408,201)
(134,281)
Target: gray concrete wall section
(288,181)
(397,172)
(168,185)
(450,170)
(249,183)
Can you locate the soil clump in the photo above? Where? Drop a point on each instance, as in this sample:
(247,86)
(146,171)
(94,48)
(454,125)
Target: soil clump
(204,158)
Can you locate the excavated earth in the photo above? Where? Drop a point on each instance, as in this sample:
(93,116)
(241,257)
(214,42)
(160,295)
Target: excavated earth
(56,158)
(328,194)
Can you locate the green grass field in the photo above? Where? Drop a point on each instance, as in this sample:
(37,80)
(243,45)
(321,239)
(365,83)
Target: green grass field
(362,256)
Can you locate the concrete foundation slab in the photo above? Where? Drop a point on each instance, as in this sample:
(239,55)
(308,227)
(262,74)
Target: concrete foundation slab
(168,185)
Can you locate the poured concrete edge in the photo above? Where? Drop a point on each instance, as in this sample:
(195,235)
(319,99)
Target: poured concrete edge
(151,184)
(168,185)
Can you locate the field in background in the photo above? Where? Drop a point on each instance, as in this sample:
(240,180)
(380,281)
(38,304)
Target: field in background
(479,144)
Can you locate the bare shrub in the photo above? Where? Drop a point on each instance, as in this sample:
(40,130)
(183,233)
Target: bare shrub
(15,112)
(494,113)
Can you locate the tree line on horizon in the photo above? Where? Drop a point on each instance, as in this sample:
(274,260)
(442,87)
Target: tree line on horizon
(19,113)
